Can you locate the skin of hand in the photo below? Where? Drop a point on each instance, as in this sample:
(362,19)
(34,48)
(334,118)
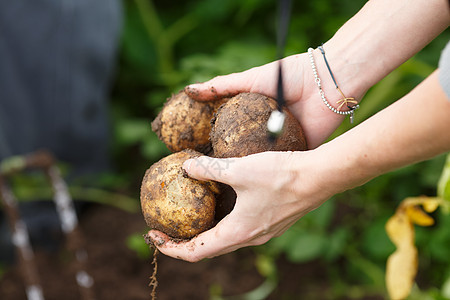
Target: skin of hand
(275,189)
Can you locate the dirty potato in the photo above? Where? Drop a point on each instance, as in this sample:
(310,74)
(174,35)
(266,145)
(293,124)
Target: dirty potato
(174,203)
(184,123)
(240,128)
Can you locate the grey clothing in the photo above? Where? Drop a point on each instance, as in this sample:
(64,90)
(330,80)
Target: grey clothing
(444,70)
(56,62)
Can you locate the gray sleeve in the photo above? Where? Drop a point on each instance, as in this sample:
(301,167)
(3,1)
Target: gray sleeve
(444,70)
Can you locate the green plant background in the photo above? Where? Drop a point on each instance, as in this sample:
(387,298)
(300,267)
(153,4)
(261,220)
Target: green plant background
(166,45)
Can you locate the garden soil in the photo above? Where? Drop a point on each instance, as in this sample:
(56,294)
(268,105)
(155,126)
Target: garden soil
(120,274)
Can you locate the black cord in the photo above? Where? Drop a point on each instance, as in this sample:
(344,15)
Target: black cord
(283,26)
(328,66)
(275,123)
(345,100)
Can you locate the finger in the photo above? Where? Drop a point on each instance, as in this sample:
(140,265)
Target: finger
(222,239)
(223,86)
(228,235)
(157,238)
(206,245)
(208,168)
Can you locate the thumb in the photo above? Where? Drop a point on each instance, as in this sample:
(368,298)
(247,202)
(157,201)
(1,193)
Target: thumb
(222,86)
(209,168)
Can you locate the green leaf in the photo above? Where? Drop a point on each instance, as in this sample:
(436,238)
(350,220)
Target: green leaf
(321,217)
(282,243)
(232,57)
(137,49)
(375,241)
(137,243)
(154,149)
(266,265)
(132,131)
(443,188)
(336,243)
(306,247)
(446,288)
(438,239)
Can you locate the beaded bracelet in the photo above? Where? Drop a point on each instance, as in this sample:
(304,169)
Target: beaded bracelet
(341,102)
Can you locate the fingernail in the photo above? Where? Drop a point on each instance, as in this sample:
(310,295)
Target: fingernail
(187,165)
(192,89)
(155,238)
(194,86)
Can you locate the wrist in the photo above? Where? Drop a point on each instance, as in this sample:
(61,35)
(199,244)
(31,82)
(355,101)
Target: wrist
(346,105)
(378,39)
(311,178)
(347,72)
(339,169)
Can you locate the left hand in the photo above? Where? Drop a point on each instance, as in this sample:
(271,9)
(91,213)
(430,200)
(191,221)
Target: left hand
(300,91)
(269,201)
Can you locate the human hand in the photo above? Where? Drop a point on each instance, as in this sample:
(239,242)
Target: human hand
(269,201)
(301,92)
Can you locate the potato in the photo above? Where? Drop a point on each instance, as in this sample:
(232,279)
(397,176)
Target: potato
(184,123)
(240,128)
(183,207)
(174,203)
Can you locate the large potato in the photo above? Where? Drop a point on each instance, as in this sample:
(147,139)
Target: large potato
(240,128)
(174,203)
(184,123)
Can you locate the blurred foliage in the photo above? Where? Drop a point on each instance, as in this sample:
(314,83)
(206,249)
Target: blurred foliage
(167,45)
(136,243)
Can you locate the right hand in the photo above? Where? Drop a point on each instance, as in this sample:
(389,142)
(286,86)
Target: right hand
(274,190)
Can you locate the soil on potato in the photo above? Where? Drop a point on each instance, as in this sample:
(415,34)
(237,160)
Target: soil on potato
(240,128)
(120,274)
(174,203)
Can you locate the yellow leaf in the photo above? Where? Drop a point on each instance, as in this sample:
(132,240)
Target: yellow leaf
(401,270)
(417,216)
(430,205)
(401,266)
(400,230)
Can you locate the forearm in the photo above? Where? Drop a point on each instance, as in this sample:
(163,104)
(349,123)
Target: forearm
(275,189)
(415,128)
(380,37)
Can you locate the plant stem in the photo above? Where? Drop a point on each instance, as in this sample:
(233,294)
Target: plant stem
(164,38)
(94,195)
(156,32)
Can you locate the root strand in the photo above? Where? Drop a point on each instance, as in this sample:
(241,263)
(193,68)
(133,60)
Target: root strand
(153,281)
